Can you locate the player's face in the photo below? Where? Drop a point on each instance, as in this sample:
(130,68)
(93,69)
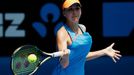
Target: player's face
(73,13)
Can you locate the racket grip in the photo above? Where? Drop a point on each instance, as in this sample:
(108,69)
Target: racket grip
(58,54)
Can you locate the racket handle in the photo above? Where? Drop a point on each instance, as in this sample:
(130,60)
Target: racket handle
(58,54)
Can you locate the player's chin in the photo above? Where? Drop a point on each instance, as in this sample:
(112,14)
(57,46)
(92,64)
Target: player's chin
(75,21)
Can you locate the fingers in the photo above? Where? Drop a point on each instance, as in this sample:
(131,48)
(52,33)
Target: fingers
(66,51)
(116,56)
(112,45)
(119,55)
(65,54)
(116,51)
(114,59)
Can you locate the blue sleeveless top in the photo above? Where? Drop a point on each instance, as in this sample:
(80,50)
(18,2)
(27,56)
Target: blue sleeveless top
(79,49)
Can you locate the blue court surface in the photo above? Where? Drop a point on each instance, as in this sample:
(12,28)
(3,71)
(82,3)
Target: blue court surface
(100,66)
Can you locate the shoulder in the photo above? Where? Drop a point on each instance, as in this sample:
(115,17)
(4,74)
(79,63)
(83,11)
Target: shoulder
(83,27)
(61,33)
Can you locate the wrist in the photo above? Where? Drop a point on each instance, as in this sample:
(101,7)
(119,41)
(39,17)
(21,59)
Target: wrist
(104,52)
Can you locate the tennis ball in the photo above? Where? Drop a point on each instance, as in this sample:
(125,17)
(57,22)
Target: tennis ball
(32,58)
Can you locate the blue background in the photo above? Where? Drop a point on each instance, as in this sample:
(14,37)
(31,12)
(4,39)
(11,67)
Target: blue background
(100,66)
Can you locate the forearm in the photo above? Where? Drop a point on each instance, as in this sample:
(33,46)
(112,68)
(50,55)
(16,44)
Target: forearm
(95,54)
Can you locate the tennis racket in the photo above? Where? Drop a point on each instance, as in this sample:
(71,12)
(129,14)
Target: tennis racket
(20,64)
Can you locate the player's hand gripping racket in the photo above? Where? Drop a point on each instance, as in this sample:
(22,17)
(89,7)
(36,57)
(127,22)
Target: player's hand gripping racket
(20,63)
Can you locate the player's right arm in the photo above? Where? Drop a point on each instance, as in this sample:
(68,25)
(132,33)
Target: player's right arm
(62,46)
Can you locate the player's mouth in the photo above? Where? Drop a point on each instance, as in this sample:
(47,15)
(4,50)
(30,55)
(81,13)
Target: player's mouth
(76,19)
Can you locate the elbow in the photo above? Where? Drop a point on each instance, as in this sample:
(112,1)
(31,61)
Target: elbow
(64,64)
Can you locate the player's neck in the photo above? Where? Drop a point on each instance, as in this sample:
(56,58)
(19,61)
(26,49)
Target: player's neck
(73,26)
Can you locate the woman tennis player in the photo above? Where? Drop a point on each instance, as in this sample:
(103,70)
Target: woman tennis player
(73,36)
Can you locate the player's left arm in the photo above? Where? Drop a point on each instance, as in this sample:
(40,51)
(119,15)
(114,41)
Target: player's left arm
(109,51)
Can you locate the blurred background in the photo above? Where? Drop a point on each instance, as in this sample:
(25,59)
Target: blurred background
(36,21)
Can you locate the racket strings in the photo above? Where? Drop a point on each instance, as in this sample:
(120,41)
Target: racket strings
(20,63)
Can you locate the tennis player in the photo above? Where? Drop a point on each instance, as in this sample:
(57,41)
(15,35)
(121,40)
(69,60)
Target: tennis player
(73,36)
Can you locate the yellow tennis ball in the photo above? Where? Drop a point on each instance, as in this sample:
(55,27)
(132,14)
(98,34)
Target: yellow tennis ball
(32,58)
